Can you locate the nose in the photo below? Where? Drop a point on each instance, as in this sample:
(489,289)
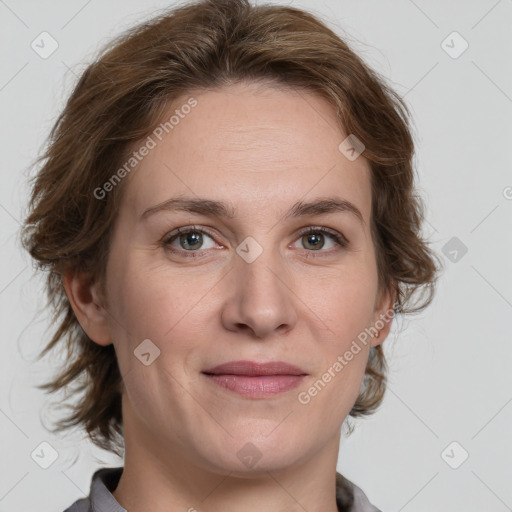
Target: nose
(260,298)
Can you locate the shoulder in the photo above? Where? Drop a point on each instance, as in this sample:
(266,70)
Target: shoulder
(361,502)
(352,498)
(81,505)
(103,482)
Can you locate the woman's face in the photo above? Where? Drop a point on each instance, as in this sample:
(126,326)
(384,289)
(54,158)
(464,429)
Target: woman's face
(250,286)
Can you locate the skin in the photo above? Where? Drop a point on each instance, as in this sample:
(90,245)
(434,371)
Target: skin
(260,148)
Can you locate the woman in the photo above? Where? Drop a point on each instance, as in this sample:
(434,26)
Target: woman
(227,213)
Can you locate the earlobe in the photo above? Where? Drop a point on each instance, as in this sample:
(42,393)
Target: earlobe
(87,304)
(383,317)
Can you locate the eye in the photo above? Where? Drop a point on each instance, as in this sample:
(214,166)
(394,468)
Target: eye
(314,238)
(189,239)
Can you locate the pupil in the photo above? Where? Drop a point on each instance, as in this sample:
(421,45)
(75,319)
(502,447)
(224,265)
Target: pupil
(194,236)
(315,236)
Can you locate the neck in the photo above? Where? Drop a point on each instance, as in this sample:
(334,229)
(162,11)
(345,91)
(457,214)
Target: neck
(159,473)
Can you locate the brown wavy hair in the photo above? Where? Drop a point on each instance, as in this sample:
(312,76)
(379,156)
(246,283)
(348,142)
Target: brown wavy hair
(122,96)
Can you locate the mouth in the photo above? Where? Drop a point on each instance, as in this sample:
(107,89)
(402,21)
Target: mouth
(255,369)
(256,380)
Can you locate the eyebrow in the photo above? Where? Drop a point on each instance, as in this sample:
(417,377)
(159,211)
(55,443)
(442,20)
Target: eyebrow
(213,208)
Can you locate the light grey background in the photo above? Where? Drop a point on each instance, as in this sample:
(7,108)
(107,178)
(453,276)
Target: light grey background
(450,367)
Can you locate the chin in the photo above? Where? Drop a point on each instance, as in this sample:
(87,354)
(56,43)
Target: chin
(254,454)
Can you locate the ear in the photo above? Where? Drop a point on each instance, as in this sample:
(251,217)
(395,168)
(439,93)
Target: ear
(383,315)
(87,303)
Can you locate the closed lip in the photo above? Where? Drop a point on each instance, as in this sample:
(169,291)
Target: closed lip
(254,368)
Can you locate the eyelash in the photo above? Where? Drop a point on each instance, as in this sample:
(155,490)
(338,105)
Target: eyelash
(339,239)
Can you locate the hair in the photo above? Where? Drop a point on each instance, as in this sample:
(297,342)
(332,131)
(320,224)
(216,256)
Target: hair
(121,97)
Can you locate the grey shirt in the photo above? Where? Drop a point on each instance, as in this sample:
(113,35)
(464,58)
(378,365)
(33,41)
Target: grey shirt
(349,497)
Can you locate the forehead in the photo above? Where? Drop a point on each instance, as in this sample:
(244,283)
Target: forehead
(257,147)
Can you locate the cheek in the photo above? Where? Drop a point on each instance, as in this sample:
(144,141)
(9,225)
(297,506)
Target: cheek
(343,352)
(150,303)
(332,392)
(137,311)
(343,301)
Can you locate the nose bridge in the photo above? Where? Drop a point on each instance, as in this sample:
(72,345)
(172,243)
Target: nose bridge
(259,266)
(263,300)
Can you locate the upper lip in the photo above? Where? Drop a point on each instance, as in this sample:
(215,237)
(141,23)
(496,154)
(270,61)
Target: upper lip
(253,368)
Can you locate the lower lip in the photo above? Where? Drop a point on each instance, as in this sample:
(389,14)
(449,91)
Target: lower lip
(261,386)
